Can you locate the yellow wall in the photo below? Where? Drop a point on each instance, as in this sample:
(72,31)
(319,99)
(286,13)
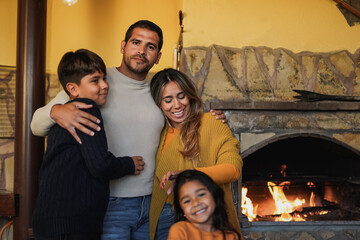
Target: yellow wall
(97,25)
(8,26)
(299,25)
(101,25)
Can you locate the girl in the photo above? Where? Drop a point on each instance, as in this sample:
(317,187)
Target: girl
(199,206)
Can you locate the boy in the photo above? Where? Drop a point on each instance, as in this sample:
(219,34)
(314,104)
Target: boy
(74,178)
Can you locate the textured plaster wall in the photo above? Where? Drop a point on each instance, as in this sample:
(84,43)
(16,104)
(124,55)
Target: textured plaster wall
(298,25)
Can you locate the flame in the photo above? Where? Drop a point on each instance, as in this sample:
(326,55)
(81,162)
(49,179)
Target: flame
(247,206)
(283,206)
(311,184)
(312,197)
(283,170)
(312,200)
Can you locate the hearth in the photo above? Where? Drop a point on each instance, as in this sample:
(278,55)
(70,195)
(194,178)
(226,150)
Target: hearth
(301,179)
(304,154)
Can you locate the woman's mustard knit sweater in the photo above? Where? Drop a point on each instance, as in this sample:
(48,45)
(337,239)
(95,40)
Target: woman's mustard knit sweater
(217,146)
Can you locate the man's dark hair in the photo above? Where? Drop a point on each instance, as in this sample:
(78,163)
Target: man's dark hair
(74,66)
(147,25)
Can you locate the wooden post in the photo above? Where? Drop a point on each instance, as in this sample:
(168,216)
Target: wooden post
(30,94)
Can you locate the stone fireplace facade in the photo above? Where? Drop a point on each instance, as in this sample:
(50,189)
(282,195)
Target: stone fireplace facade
(254,86)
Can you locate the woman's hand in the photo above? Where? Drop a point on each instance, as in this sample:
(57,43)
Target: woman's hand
(219,115)
(171,175)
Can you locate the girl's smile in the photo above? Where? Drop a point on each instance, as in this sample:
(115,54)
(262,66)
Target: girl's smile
(198,204)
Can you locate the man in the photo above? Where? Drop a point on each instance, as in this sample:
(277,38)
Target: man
(133,124)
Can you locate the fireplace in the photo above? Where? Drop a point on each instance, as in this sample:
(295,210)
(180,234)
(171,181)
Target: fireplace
(305,152)
(302,178)
(303,182)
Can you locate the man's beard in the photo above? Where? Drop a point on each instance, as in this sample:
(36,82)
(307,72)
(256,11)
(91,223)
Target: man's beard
(144,69)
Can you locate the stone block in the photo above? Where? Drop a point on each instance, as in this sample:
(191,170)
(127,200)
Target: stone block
(352,139)
(254,235)
(288,77)
(327,82)
(251,139)
(351,234)
(326,234)
(305,236)
(218,84)
(330,121)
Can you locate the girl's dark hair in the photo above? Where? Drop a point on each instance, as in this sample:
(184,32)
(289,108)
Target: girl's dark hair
(220,218)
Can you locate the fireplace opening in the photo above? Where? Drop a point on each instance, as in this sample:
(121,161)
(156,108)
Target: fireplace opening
(302,178)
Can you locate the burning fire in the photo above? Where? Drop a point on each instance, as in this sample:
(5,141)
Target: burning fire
(247,206)
(285,208)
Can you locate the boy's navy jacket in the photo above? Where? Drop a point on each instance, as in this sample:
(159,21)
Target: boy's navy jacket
(74,180)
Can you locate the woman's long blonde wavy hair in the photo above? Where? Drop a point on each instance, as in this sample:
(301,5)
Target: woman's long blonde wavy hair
(189,132)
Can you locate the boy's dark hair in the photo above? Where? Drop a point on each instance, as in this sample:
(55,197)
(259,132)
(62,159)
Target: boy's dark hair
(74,66)
(147,25)
(220,218)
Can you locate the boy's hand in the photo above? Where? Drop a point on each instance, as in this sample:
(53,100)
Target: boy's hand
(219,115)
(70,117)
(139,164)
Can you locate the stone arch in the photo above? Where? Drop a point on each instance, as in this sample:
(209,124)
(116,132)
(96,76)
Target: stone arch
(279,137)
(304,154)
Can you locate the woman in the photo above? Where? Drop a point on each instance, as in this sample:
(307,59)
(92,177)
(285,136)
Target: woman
(191,139)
